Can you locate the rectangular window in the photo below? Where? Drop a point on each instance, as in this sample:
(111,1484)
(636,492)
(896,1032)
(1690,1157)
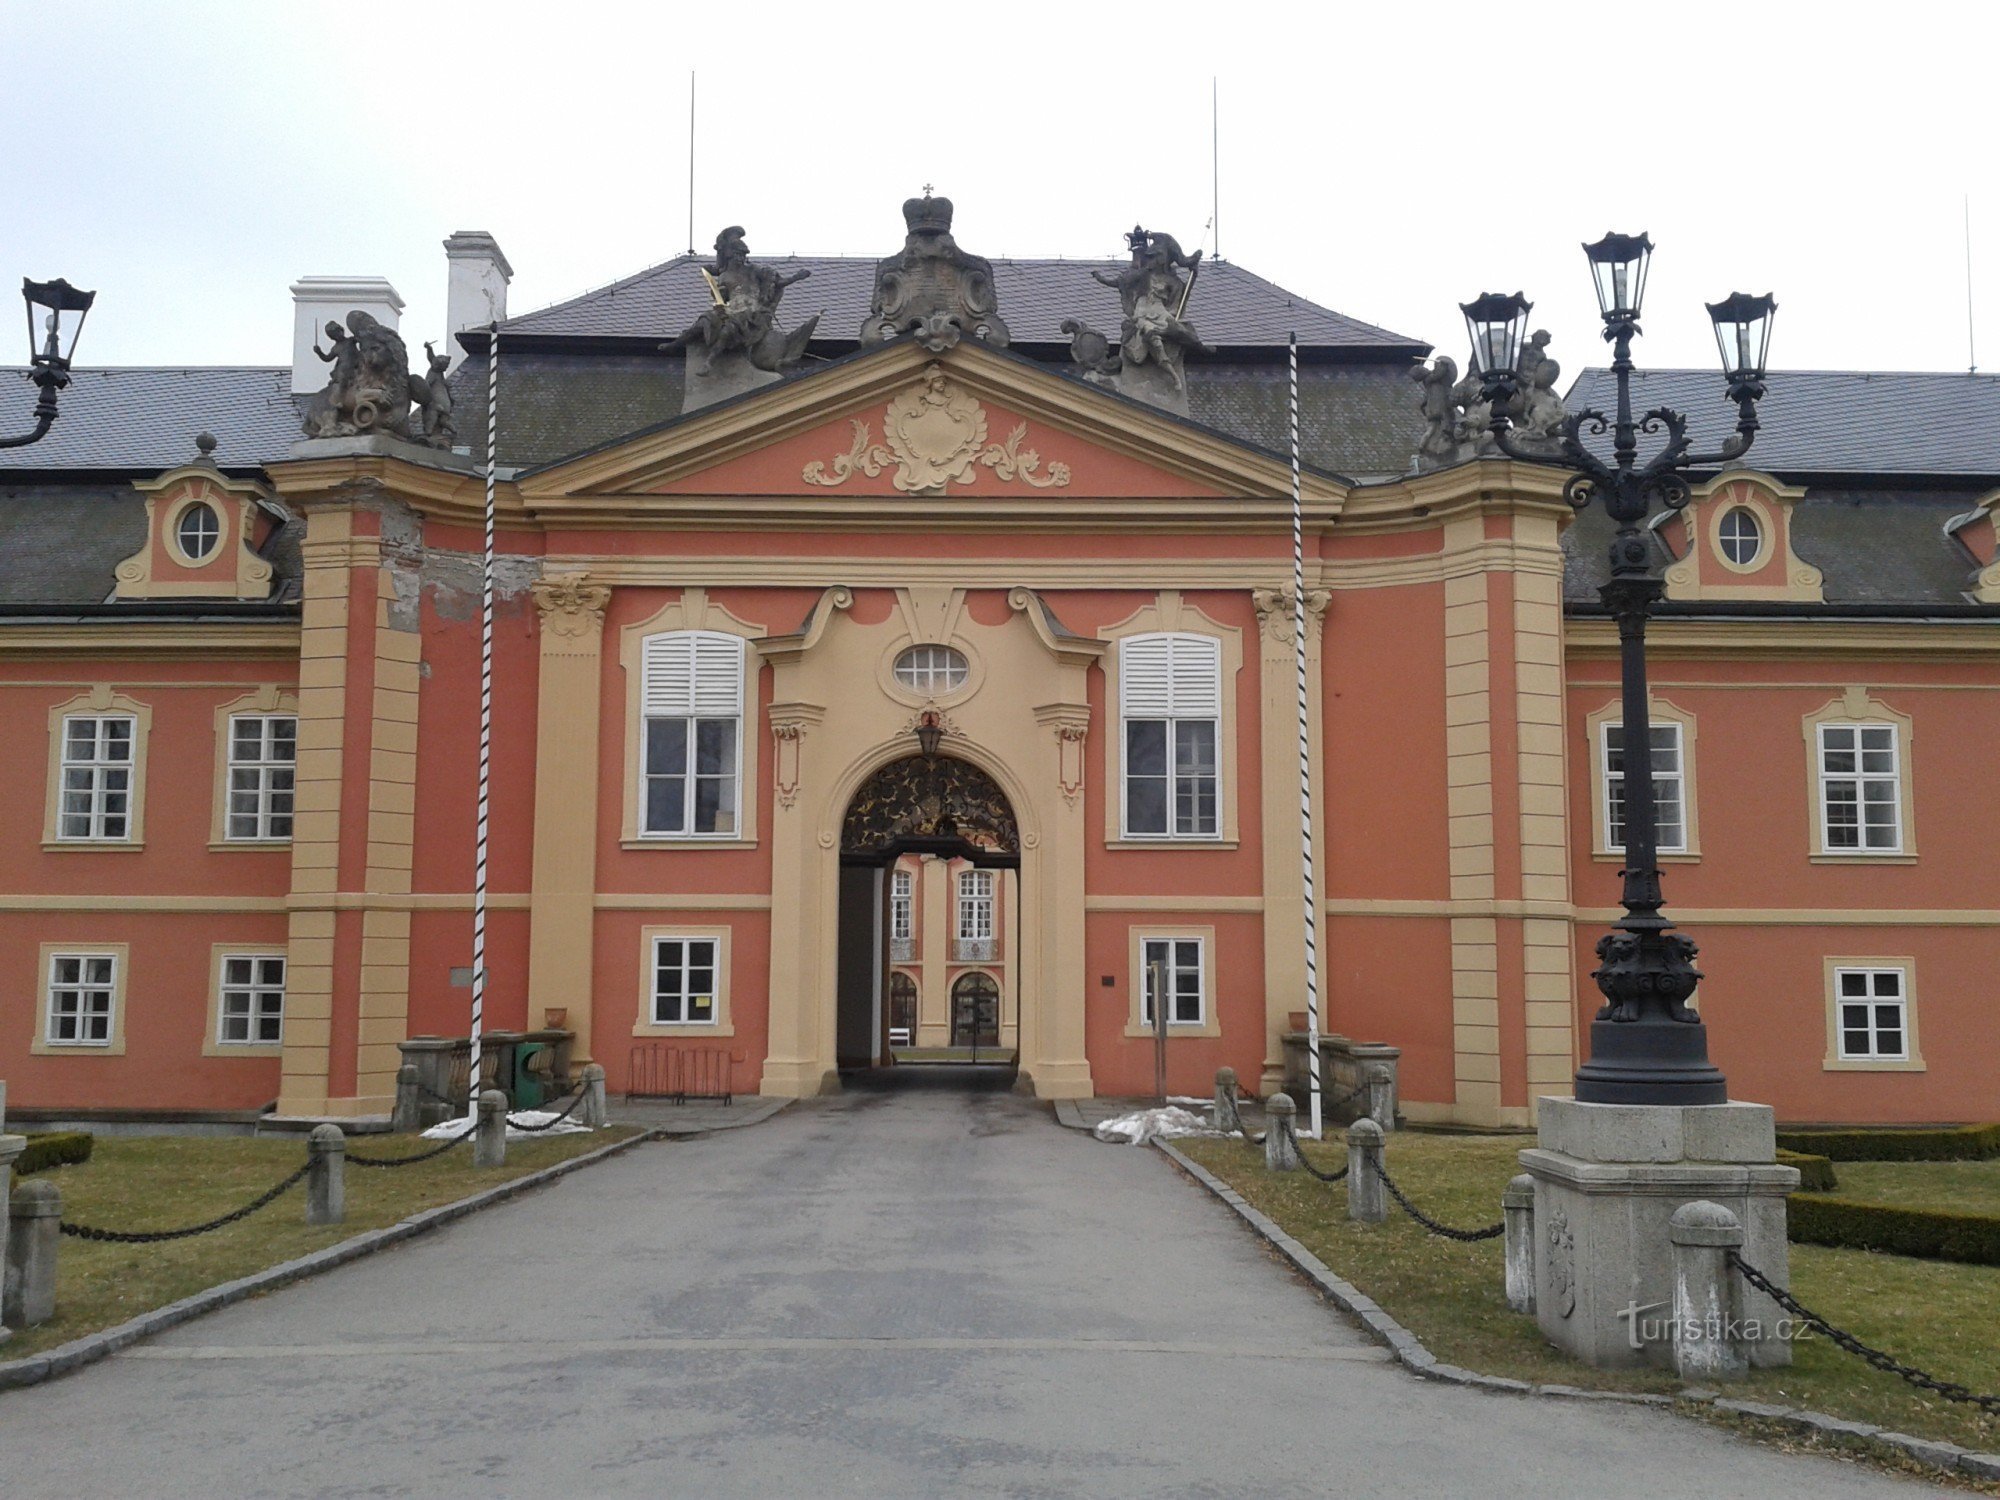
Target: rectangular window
(693,704)
(251,1011)
(1170,704)
(901,920)
(96,777)
(1182,958)
(263,751)
(1860,789)
(684,981)
(1669,800)
(82,994)
(975,905)
(1873,1015)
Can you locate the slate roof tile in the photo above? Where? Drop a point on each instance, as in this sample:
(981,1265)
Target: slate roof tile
(144,419)
(1231,307)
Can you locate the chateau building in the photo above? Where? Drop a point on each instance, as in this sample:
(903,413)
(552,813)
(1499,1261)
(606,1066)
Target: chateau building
(885,659)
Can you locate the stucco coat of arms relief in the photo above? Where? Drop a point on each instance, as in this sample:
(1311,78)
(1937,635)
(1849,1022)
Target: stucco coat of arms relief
(934,434)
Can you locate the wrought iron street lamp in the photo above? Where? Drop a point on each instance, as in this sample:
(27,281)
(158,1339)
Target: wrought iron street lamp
(59,309)
(1646,1045)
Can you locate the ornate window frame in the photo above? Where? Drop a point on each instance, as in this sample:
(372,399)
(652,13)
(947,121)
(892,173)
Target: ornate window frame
(266,701)
(212,1044)
(1169,613)
(1135,1012)
(724,1024)
(1659,711)
(1777,572)
(1913,1059)
(1857,706)
(120,955)
(101,699)
(692,610)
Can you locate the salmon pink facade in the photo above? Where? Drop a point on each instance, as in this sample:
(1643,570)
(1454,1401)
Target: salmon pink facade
(238,861)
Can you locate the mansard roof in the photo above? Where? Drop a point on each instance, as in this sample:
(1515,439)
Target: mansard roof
(1909,424)
(138,420)
(1233,308)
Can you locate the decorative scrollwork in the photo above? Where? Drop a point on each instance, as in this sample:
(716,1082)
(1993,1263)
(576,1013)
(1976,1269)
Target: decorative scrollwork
(919,798)
(1580,491)
(1007,461)
(935,434)
(866,457)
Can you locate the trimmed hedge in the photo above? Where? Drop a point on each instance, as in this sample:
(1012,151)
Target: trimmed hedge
(1815,1172)
(58,1148)
(1930,1234)
(1960,1143)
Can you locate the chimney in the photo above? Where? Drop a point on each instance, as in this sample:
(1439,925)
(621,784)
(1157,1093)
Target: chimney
(477,292)
(319,300)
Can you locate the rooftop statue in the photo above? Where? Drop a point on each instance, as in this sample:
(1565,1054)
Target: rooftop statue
(1155,337)
(1458,419)
(931,289)
(736,344)
(433,398)
(368,391)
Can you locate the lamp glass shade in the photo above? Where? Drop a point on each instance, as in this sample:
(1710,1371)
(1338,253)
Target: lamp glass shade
(56,311)
(1743,332)
(929,734)
(1618,265)
(1495,322)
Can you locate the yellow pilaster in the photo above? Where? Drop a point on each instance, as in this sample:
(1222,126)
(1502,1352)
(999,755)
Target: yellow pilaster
(564,882)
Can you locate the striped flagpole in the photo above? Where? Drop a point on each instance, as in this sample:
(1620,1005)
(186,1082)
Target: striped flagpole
(1305,751)
(485,719)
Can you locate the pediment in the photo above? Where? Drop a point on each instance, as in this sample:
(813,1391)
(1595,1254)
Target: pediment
(919,429)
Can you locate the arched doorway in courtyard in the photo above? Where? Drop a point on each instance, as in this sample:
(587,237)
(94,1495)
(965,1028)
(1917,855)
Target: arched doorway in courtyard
(930,858)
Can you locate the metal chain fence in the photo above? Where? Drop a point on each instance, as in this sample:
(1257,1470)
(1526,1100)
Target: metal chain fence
(581,1091)
(1464,1236)
(157,1236)
(1950,1390)
(410,1161)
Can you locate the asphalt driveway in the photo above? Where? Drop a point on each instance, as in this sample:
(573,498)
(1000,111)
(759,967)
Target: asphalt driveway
(918,1292)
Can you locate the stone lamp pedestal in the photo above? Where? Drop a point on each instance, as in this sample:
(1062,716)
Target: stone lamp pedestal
(1607,1181)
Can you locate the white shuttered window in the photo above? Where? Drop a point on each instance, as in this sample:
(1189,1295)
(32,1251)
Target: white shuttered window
(692,702)
(1170,710)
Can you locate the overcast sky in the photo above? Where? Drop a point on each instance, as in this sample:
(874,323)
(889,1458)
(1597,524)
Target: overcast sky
(189,160)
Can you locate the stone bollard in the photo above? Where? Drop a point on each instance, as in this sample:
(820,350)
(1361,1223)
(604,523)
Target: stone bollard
(489,1145)
(1366,1200)
(1281,1140)
(326,1179)
(34,1215)
(1228,1118)
(1708,1322)
(1380,1097)
(1517,1209)
(592,1108)
(405,1117)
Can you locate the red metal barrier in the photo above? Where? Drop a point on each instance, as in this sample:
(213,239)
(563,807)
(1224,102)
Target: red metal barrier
(679,1072)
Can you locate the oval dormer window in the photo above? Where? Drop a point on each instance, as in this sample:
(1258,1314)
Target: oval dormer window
(198,531)
(931,670)
(1741,536)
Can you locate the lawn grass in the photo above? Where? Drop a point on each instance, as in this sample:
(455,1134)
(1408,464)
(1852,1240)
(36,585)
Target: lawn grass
(1960,1187)
(1935,1314)
(164,1182)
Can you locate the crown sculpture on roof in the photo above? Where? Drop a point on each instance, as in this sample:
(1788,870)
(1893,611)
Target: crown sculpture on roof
(370,390)
(736,344)
(1458,420)
(932,290)
(1149,361)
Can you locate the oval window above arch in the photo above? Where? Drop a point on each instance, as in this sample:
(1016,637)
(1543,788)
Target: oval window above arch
(931,670)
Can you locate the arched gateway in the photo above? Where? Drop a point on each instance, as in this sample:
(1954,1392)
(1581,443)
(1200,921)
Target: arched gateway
(960,826)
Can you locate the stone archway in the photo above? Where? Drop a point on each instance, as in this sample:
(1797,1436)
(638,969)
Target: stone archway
(941,798)
(947,809)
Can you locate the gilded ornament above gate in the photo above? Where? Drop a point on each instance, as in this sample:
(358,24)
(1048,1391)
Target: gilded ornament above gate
(934,435)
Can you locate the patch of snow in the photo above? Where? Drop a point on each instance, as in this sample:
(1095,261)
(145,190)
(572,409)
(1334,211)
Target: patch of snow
(452,1129)
(1145,1125)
